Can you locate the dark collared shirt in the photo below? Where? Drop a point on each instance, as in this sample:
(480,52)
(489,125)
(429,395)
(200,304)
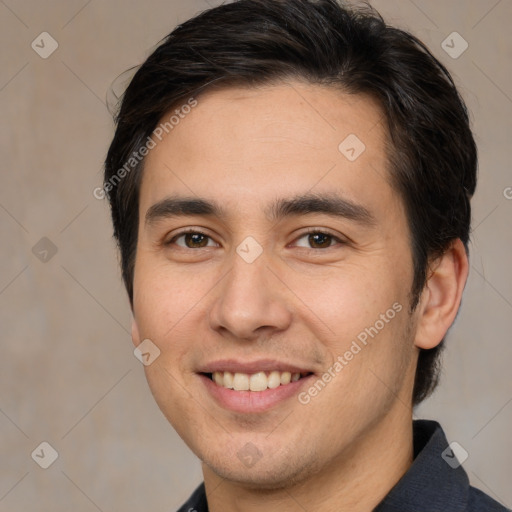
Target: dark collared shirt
(430,485)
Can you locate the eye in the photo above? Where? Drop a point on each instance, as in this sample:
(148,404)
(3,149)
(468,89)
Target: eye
(318,240)
(192,240)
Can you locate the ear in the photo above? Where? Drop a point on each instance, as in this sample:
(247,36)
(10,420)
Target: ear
(441,297)
(135,333)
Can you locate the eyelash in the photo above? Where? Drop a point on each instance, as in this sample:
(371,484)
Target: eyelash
(310,231)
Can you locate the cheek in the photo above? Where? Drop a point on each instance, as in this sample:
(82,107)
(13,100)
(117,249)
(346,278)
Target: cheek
(345,301)
(168,307)
(360,316)
(163,296)
(173,399)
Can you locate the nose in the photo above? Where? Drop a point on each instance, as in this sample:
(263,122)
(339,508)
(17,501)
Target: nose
(250,301)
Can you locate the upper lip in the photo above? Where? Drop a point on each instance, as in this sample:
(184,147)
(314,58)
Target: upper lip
(250,367)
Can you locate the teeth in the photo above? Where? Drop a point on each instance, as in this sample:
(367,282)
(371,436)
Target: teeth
(228,380)
(286,377)
(274,380)
(259,381)
(241,382)
(218,377)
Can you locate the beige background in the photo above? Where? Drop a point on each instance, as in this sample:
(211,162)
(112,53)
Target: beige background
(67,371)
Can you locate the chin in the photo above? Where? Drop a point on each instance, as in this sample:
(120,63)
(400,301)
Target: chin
(270,479)
(271,474)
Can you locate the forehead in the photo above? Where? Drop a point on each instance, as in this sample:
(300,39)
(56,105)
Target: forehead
(252,144)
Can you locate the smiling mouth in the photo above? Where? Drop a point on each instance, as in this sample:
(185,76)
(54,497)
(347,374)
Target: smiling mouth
(259,381)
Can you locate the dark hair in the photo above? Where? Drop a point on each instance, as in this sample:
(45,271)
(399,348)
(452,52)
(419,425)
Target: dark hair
(431,151)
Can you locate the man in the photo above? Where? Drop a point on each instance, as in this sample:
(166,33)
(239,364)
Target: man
(290,183)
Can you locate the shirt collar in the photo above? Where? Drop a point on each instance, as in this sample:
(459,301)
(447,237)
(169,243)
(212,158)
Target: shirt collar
(430,484)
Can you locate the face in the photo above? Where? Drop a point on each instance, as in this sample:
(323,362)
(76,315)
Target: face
(272,248)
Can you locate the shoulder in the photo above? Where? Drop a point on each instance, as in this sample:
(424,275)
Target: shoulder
(478,501)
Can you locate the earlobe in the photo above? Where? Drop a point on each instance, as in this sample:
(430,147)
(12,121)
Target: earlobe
(135,333)
(442,295)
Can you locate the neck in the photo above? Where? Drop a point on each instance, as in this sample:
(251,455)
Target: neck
(356,481)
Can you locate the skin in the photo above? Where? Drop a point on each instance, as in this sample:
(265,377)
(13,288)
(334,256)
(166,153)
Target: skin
(298,302)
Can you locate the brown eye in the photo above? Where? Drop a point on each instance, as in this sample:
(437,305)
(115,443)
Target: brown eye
(319,240)
(192,240)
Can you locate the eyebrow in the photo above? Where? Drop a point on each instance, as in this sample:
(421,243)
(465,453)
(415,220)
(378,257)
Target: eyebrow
(332,205)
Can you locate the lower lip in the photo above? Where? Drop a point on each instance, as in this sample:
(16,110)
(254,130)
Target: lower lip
(252,401)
